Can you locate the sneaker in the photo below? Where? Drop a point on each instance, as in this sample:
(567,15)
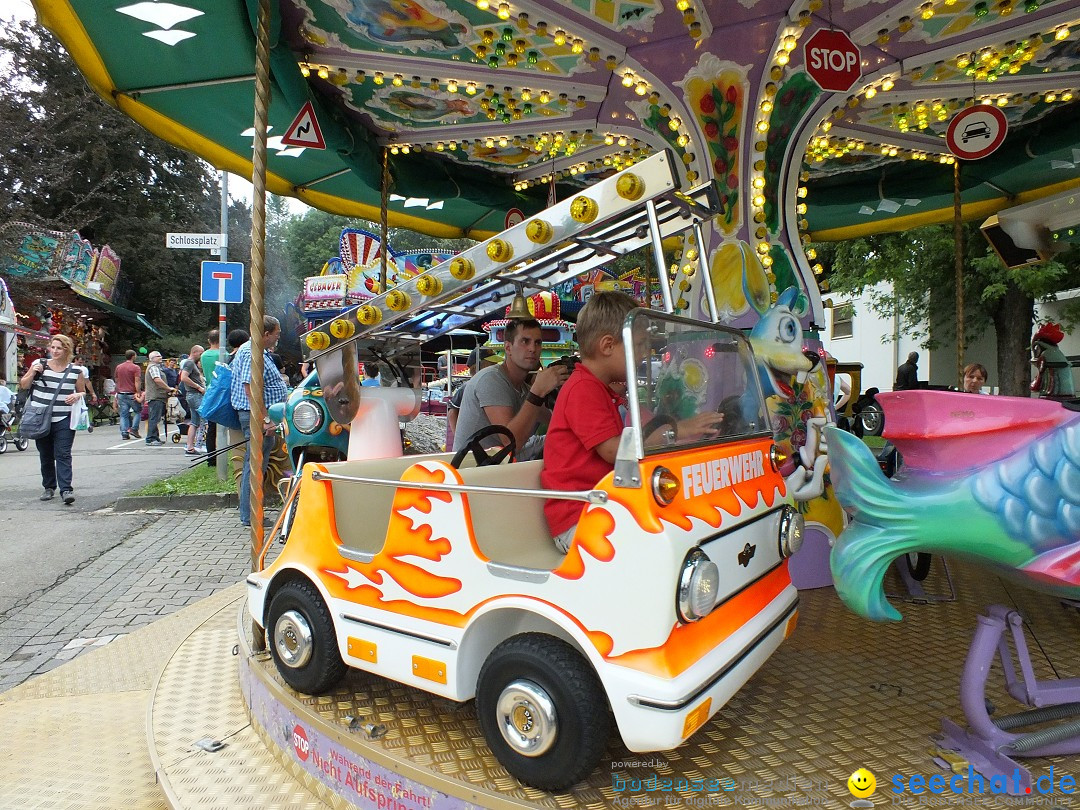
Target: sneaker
(46,495)
(68,496)
(124,436)
(200,448)
(155,443)
(136,434)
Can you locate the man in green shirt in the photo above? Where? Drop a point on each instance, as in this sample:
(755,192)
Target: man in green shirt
(208,360)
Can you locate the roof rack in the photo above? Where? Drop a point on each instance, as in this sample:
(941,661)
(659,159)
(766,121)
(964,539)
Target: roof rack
(629,210)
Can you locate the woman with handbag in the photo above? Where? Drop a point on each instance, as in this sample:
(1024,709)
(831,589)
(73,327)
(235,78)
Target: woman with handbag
(54,386)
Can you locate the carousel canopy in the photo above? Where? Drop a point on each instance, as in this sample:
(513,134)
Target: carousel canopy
(484,105)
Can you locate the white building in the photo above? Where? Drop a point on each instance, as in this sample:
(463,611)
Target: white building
(855,333)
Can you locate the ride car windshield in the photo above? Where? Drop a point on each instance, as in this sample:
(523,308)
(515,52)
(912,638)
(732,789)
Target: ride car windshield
(685,368)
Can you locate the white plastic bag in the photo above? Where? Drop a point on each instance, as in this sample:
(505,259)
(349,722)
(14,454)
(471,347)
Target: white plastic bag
(80,415)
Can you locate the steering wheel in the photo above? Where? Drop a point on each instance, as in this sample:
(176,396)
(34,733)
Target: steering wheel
(480,453)
(656,423)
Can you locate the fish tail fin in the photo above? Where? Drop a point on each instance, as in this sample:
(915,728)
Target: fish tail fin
(881,527)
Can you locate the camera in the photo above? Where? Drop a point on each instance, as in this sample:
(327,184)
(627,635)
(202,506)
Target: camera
(570,361)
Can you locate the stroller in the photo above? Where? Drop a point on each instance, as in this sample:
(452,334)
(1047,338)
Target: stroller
(8,421)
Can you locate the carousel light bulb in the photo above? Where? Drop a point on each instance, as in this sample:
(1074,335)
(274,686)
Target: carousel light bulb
(305,71)
(887,85)
(560,37)
(323,72)
(1062,33)
(641,88)
(398,80)
(623,141)
(758,183)
(782,58)
(483,5)
(503,12)
(789,43)
(758,200)
(766,106)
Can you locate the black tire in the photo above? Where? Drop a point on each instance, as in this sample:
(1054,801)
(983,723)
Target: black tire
(310,666)
(918,565)
(535,664)
(3,444)
(21,443)
(872,419)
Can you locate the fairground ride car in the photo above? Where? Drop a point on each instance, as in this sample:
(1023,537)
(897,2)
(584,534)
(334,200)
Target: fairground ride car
(439,572)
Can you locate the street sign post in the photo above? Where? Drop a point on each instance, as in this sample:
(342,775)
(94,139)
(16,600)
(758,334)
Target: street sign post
(977,131)
(196,241)
(832,60)
(222,283)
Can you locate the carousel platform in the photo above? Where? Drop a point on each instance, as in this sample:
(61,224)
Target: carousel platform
(183,714)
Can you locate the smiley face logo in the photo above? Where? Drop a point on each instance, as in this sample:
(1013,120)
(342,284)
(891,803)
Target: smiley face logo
(862,784)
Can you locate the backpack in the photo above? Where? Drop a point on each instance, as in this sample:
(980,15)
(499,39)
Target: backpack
(217,402)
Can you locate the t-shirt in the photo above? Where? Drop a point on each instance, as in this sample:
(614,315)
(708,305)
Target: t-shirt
(45,386)
(586,415)
(491,387)
(126,376)
(208,360)
(194,374)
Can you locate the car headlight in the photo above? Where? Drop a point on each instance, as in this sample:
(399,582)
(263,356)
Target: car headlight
(698,586)
(307,417)
(792,524)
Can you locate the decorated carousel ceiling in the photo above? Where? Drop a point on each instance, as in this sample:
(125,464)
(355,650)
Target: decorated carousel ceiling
(483,106)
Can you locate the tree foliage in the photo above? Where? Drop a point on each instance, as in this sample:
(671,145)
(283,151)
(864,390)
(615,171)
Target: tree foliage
(913,275)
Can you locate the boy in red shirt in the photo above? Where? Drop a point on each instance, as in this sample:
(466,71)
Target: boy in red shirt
(583,436)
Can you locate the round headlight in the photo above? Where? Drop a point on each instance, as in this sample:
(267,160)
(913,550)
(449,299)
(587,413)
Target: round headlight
(307,417)
(699,583)
(792,524)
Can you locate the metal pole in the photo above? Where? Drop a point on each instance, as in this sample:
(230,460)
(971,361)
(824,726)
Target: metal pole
(658,257)
(383,229)
(958,239)
(223,470)
(258,251)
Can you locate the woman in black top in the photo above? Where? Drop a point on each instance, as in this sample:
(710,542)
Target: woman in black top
(43,378)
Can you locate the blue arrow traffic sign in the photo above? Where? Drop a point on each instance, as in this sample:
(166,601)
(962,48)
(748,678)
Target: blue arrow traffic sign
(222,282)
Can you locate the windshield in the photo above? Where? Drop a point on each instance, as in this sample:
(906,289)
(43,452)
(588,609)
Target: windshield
(684,368)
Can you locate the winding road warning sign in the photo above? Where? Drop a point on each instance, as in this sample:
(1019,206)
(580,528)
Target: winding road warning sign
(304,130)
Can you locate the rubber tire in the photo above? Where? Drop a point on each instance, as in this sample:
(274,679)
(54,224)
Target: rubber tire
(21,443)
(920,569)
(325,669)
(580,706)
(876,423)
(3,444)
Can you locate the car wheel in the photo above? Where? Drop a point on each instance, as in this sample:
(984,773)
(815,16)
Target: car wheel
(872,419)
(543,711)
(302,639)
(918,565)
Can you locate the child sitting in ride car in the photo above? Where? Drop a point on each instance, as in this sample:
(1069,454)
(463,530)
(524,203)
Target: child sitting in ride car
(586,423)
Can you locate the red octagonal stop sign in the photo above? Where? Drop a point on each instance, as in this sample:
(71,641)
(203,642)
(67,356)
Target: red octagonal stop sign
(832,60)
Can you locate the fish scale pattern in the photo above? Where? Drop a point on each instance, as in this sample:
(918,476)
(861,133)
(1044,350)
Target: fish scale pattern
(1036,490)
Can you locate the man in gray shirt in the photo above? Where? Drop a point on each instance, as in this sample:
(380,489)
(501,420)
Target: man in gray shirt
(502,394)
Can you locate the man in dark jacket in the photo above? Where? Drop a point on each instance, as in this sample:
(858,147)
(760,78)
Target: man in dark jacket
(907,376)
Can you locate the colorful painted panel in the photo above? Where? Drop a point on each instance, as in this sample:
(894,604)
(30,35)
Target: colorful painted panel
(620,15)
(419,106)
(79,261)
(434,29)
(35,252)
(106,272)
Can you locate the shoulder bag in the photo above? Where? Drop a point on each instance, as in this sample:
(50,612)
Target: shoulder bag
(36,421)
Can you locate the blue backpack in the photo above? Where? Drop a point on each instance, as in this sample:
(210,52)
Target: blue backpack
(217,403)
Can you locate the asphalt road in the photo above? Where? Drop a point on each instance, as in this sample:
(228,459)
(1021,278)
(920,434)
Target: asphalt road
(44,543)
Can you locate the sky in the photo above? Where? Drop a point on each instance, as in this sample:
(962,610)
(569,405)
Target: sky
(239,187)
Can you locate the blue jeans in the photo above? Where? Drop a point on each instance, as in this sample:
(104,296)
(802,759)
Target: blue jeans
(130,412)
(155,409)
(269,440)
(55,454)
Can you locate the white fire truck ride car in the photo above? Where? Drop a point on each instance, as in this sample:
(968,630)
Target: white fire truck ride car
(439,572)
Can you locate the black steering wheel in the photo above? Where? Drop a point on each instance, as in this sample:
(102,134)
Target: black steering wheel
(656,423)
(480,453)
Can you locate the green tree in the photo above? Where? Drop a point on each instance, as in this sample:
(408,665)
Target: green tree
(71,162)
(918,270)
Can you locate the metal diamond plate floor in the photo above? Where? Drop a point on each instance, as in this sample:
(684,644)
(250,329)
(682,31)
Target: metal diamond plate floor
(842,693)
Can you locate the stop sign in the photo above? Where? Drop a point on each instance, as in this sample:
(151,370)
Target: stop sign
(832,60)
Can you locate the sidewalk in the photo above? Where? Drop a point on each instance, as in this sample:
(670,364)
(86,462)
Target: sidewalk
(174,561)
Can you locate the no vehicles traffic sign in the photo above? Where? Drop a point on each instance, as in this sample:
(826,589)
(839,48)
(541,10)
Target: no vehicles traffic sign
(976,131)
